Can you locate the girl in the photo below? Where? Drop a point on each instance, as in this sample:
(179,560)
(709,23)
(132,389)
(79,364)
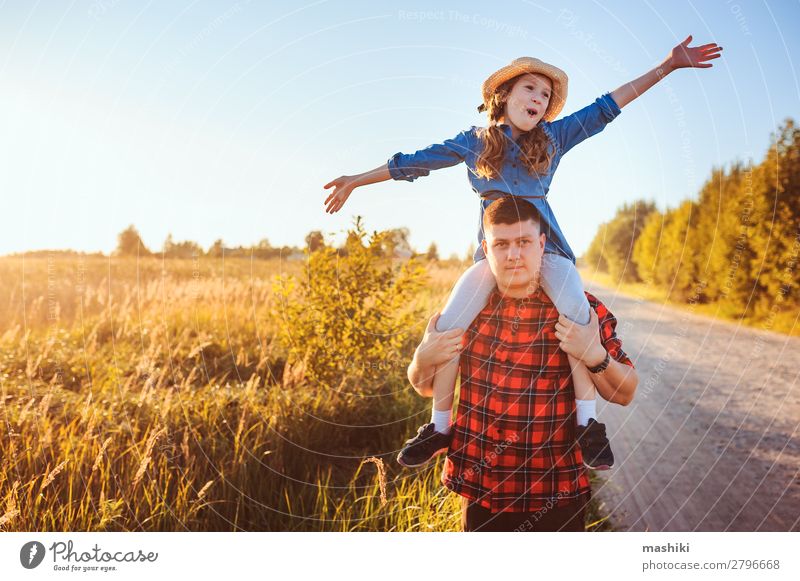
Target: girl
(517,155)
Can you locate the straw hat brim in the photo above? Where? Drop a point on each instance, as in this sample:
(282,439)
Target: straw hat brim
(524,65)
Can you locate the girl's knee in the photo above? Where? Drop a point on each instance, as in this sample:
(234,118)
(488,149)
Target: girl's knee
(577,312)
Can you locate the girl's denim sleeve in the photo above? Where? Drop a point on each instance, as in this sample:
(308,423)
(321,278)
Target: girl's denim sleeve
(569,131)
(409,167)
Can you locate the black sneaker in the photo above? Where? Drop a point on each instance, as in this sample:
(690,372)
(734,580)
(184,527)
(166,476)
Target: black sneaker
(595,446)
(423,447)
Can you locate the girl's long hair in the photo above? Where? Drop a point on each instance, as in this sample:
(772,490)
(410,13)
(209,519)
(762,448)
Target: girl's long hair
(536,148)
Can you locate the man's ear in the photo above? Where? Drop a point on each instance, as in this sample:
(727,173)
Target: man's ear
(484,247)
(542,240)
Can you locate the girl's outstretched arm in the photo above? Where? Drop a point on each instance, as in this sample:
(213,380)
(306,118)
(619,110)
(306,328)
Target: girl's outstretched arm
(343,186)
(403,167)
(682,56)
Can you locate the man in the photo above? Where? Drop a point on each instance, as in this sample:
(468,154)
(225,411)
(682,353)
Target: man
(514,456)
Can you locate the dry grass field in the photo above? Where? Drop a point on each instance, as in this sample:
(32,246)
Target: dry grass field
(155,395)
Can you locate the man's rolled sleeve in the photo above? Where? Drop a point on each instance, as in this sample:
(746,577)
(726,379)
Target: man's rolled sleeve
(608,331)
(410,166)
(569,131)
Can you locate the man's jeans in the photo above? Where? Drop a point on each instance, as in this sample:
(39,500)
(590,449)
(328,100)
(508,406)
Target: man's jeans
(570,517)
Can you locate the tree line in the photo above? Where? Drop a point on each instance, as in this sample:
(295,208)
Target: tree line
(129,243)
(736,244)
(394,243)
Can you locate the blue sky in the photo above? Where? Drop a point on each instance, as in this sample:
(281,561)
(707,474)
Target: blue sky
(223,120)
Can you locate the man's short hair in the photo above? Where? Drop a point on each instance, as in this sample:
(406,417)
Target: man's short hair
(510,210)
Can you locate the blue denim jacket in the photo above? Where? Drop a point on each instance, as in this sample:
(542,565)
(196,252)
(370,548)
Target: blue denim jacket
(564,133)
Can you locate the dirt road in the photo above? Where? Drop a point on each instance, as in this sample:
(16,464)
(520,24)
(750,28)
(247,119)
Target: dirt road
(712,440)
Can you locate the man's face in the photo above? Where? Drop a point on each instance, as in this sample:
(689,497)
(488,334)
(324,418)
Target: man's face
(515,254)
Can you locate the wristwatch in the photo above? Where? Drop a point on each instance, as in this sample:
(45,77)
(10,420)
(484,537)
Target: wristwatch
(600,367)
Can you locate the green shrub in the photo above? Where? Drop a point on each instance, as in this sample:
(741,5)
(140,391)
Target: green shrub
(345,322)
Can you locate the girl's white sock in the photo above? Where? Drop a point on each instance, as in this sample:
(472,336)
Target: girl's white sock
(587,408)
(441,420)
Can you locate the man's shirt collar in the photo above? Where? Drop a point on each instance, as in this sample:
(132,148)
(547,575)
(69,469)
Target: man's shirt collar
(497,298)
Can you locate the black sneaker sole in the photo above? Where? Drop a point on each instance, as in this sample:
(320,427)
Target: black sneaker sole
(440,451)
(599,466)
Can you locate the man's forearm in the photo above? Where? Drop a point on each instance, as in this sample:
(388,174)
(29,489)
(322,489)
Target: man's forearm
(421,377)
(617,384)
(630,91)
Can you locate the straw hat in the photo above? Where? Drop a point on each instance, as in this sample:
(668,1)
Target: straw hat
(527,64)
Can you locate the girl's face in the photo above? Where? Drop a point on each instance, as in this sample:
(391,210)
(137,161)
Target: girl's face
(527,101)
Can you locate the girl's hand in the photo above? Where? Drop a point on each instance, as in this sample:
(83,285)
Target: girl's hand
(684,56)
(342,188)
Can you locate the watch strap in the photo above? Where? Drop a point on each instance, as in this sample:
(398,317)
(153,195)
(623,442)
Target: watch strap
(602,366)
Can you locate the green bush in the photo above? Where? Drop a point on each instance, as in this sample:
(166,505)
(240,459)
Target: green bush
(346,321)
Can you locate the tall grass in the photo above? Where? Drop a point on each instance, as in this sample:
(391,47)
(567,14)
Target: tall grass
(153,395)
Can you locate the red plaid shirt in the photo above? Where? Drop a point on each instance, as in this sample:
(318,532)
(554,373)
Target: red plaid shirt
(513,446)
